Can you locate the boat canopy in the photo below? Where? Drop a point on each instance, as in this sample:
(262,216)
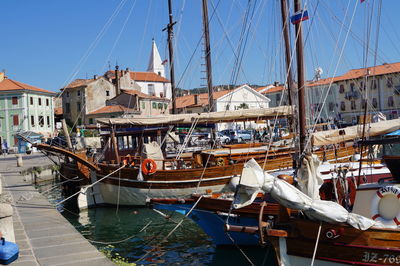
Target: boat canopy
(354,132)
(201,118)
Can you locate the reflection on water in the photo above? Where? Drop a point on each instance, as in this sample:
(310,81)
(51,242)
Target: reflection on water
(143,231)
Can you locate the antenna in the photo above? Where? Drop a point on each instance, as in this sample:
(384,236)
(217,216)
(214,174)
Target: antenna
(317,73)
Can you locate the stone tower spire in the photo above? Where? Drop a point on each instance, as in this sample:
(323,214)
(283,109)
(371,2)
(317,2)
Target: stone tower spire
(155,62)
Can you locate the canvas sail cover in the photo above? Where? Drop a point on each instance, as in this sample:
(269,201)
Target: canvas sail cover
(255,180)
(211,117)
(354,132)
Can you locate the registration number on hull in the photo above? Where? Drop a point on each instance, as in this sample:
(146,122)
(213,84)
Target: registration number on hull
(373,257)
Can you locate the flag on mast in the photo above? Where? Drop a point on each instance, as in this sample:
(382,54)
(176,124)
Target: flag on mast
(299,16)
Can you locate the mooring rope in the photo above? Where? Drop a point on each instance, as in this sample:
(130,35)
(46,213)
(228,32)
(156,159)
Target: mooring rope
(174,229)
(91,185)
(316,244)
(123,240)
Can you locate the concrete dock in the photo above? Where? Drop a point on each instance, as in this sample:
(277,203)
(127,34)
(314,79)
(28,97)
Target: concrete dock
(44,236)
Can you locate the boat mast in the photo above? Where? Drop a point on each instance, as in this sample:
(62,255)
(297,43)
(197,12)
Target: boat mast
(170,28)
(300,78)
(288,57)
(208,55)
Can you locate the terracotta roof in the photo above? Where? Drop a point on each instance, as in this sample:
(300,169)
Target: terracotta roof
(325,81)
(143,95)
(377,70)
(58,111)
(188,100)
(12,85)
(274,89)
(140,76)
(111,109)
(79,83)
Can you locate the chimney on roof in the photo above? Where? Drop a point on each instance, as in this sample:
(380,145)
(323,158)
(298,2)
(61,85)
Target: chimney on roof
(117,86)
(276,83)
(95,77)
(196,99)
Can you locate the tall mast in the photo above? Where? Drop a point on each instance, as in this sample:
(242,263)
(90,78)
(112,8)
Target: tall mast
(170,28)
(288,57)
(300,78)
(208,55)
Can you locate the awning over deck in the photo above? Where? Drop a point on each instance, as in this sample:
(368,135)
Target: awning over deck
(201,118)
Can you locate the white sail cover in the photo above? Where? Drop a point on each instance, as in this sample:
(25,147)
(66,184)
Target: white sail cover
(211,117)
(354,132)
(255,180)
(309,179)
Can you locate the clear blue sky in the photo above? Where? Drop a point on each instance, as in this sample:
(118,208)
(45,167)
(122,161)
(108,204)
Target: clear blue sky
(47,43)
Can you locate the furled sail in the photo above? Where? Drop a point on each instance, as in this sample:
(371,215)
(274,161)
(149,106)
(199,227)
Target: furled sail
(255,180)
(211,117)
(354,132)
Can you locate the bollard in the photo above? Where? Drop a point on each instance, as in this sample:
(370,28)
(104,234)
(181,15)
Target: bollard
(19,161)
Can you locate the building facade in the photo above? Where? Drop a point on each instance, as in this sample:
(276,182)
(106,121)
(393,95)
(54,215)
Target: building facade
(24,108)
(83,96)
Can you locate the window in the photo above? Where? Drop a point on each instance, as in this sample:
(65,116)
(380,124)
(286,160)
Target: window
(79,121)
(67,93)
(374,103)
(91,121)
(159,106)
(150,88)
(342,106)
(48,121)
(374,84)
(40,101)
(389,82)
(78,106)
(351,86)
(143,105)
(227,107)
(14,100)
(353,105)
(32,120)
(15,120)
(278,97)
(47,102)
(67,108)
(390,101)
(154,105)
(331,106)
(41,120)
(363,102)
(78,93)
(341,89)
(107,93)
(31,100)
(165,106)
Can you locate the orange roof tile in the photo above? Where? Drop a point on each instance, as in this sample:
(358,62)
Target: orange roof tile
(143,95)
(111,109)
(140,76)
(372,71)
(188,100)
(325,81)
(274,89)
(12,85)
(79,83)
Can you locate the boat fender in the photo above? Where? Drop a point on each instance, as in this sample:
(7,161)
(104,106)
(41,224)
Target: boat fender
(149,166)
(385,206)
(8,251)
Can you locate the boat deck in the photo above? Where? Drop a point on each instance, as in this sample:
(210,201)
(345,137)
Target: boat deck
(43,235)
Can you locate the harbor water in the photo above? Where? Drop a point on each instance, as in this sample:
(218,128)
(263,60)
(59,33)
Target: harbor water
(135,235)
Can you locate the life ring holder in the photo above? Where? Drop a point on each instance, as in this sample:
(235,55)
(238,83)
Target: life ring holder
(149,170)
(379,195)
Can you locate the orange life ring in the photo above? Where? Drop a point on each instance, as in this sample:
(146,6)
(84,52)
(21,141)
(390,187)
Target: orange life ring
(149,166)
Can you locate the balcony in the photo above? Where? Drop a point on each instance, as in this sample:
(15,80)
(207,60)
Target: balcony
(351,95)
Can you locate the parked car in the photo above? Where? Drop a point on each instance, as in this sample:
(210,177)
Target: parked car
(223,139)
(242,135)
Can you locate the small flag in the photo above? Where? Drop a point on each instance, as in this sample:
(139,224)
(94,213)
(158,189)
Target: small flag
(164,62)
(299,16)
